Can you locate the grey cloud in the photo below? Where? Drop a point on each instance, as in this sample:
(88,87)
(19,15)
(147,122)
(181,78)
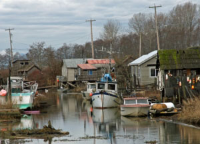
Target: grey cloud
(56,21)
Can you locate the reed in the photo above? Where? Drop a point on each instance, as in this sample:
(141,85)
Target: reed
(7,105)
(190,111)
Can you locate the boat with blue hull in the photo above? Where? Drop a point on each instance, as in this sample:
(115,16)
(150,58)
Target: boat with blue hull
(22,93)
(106,93)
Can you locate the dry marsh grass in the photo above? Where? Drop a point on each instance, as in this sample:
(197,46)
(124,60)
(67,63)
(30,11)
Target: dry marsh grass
(8,105)
(191,111)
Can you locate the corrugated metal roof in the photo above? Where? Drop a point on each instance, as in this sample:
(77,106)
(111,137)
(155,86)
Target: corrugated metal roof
(143,58)
(72,63)
(86,66)
(100,61)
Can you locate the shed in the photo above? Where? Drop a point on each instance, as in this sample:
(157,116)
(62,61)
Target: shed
(70,69)
(143,69)
(87,72)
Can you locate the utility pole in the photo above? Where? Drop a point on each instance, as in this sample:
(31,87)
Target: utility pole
(140,48)
(10,35)
(10,61)
(156,22)
(91,20)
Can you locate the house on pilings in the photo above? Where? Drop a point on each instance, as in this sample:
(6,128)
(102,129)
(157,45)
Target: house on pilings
(179,73)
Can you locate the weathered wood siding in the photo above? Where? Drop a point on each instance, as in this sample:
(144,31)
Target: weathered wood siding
(70,74)
(145,77)
(64,70)
(84,76)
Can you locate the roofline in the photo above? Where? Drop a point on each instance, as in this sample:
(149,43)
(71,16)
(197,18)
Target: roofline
(143,61)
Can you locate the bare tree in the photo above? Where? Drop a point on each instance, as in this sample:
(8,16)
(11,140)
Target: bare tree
(137,23)
(111,30)
(184,21)
(36,53)
(63,52)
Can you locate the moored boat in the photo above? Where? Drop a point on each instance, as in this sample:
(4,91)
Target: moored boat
(22,93)
(90,87)
(135,106)
(106,94)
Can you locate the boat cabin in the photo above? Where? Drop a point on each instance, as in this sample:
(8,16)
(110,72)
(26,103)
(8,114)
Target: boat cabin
(136,100)
(91,86)
(112,86)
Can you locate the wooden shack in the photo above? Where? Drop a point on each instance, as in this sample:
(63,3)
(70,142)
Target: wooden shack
(179,73)
(70,69)
(88,72)
(143,69)
(23,68)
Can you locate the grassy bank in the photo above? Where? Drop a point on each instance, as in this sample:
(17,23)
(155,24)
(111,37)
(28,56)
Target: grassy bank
(48,131)
(190,111)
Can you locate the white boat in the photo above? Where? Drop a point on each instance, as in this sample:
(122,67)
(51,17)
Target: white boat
(22,93)
(135,106)
(106,94)
(90,87)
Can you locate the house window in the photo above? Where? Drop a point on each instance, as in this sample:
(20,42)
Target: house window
(153,72)
(90,72)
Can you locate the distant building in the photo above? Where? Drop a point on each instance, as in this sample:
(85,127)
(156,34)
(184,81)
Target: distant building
(143,69)
(23,68)
(87,72)
(85,69)
(70,68)
(103,65)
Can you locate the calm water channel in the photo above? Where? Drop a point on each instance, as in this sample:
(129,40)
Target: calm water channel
(71,113)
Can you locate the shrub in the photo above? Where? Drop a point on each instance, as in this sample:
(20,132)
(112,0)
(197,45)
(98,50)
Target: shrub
(190,111)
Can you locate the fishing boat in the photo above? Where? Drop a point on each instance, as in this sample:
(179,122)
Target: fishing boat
(135,106)
(90,87)
(22,93)
(106,94)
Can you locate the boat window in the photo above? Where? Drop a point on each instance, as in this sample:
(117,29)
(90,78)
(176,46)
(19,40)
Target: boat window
(101,86)
(93,86)
(16,90)
(142,101)
(111,86)
(130,101)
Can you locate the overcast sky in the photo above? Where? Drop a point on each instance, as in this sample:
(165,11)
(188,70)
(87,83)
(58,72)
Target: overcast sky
(63,21)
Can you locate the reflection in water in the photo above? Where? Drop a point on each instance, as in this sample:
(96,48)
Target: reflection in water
(26,122)
(189,135)
(106,122)
(72,113)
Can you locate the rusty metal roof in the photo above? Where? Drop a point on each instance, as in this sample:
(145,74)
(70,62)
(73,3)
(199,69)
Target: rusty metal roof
(100,61)
(86,66)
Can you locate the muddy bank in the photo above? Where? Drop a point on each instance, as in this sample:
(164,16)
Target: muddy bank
(47,132)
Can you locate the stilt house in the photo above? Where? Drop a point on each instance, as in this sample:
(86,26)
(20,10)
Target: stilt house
(179,73)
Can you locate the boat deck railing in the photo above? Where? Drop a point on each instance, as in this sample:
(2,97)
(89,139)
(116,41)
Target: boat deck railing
(31,85)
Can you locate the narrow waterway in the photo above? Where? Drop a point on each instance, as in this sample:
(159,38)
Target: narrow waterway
(70,112)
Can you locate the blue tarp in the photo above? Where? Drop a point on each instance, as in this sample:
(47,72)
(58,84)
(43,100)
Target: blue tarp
(106,78)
